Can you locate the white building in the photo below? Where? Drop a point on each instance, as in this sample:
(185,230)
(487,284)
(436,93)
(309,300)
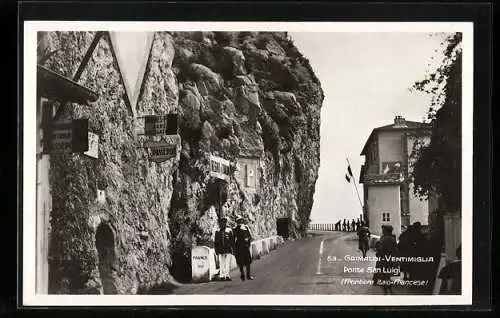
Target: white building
(388,190)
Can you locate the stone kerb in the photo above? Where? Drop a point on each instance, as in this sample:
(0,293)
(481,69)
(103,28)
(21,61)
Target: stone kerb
(272,245)
(256,249)
(280,240)
(265,246)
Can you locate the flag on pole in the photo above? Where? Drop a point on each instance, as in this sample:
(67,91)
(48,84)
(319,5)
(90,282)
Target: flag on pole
(347,178)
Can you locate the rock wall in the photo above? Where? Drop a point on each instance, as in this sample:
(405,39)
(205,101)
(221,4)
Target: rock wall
(242,94)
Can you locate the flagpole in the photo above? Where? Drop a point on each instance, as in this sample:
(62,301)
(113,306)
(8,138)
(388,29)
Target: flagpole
(354,183)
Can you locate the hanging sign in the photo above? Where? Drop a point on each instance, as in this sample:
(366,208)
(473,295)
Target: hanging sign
(160,151)
(219,168)
(160,125)
(67,136)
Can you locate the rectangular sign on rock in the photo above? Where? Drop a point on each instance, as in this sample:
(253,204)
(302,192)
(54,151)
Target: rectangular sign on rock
(61,136)
(160,125)
(93,151)
(160,151)
(219,168)
(66,136)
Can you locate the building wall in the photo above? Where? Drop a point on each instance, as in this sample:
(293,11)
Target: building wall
(390,147)
(372,157)
(44,206)
(384,199)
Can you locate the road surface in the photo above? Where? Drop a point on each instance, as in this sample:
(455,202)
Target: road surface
(313,265)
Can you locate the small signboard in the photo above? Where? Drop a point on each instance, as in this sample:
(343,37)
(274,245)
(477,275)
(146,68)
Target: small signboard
(93,151)
(200,264)
(160,151)
(219,168)
(66,136)
(155,125)
(61,137)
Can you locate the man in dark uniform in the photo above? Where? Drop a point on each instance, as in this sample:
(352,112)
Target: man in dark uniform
(242,240)
(363,238)
(223,245)
(344,227)
(386,248)
(353,226)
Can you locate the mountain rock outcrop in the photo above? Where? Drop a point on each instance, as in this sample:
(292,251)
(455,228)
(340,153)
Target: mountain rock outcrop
(248,97)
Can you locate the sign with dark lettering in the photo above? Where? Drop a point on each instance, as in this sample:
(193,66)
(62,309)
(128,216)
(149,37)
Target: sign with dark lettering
(93,151)
(219,168)
(160,151)
(160,125)
(66,136)
(200,264)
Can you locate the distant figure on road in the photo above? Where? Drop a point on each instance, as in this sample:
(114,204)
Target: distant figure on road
(386,247)
(223,245)
(344,227)
(358,224)
(242,241)
(353,226)
(363,238)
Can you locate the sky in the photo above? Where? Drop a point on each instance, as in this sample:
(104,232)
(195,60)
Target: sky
(366,79)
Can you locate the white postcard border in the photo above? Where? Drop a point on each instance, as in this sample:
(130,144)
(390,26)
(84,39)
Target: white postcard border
(29,167)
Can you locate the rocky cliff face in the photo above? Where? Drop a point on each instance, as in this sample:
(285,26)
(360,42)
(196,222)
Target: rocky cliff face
(240,96)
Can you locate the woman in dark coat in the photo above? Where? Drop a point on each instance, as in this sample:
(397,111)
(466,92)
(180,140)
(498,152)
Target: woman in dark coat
(363,238)
(242,241)
(386,248)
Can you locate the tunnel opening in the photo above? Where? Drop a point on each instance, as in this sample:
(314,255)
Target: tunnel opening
(105,244)
(282,227)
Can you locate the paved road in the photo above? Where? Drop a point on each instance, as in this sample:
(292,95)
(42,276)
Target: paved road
(312,265)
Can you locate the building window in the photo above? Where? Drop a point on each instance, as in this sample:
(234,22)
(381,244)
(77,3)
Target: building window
(386,217)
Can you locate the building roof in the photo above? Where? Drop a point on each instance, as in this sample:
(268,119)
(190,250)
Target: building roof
(400,124)
(55,86)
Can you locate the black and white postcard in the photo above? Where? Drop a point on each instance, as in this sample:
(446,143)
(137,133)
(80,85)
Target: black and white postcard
(227,163)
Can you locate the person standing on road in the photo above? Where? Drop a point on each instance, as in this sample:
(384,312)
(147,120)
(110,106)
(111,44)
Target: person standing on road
(363,238)
(223,245)
(405,249)
(386,248)
(353,226)
(242,241)
(344,228)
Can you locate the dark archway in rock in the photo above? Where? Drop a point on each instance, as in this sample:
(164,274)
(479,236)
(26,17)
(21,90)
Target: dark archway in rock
(105,244)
